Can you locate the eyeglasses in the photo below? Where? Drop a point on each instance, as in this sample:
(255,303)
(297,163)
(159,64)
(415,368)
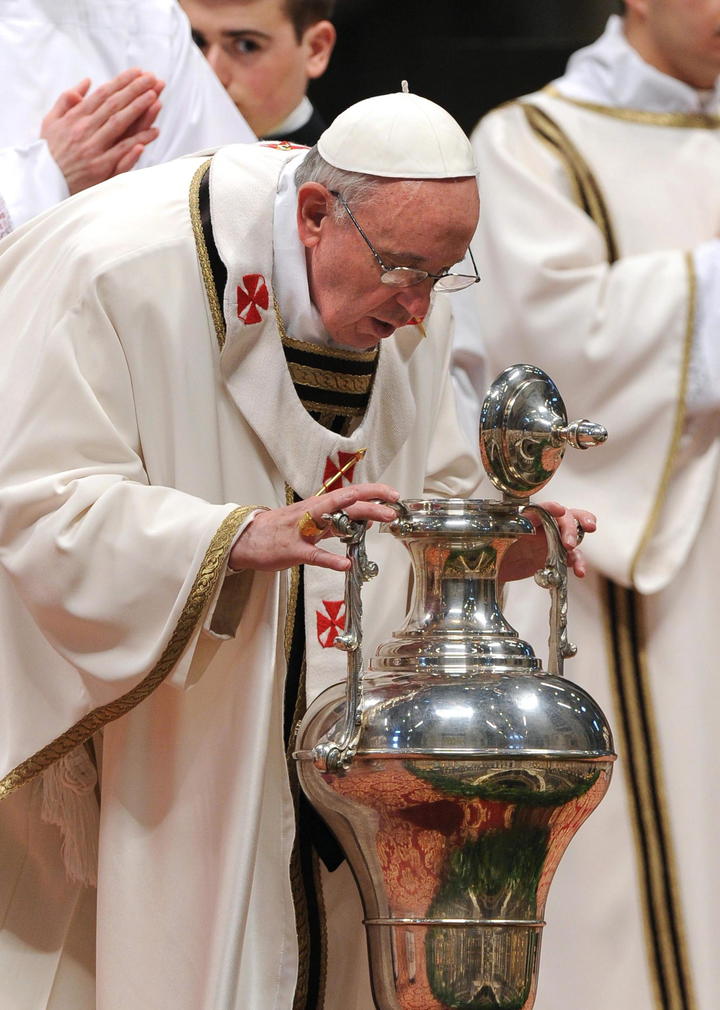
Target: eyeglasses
(405,277)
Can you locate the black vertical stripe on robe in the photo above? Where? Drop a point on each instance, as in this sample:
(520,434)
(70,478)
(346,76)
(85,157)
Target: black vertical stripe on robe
(335,389)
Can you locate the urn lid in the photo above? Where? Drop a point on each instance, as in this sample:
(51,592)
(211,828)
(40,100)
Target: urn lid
(524,431)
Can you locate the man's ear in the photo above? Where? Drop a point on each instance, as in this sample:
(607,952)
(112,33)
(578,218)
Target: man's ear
(636,9)
(313,207)
(319,41)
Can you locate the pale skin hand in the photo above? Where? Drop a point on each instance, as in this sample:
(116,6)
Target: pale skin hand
(528,554)
(93,137)
(272,541)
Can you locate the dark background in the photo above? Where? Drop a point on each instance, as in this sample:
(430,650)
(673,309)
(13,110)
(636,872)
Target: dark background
(467,55)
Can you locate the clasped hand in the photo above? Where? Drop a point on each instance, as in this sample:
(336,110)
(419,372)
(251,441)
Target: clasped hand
(93,137)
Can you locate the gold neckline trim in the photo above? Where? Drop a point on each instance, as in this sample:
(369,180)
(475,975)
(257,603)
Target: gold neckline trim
(683,120)
(306,345)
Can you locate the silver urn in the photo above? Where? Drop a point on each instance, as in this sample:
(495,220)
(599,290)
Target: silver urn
(454,771)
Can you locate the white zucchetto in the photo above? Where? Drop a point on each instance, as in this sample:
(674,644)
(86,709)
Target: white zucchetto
(398,136)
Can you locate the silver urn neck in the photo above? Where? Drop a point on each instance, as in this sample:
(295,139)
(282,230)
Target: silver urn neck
(455,626)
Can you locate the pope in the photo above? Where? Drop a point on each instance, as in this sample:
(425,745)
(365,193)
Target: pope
(191,353)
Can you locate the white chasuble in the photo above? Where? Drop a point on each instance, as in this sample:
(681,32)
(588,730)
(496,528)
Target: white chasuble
(146,421)
(590,217)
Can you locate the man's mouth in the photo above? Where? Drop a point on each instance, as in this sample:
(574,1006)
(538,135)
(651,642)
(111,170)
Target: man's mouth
(385,329)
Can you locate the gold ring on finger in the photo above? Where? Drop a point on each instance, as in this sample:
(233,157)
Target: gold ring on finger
(309,529)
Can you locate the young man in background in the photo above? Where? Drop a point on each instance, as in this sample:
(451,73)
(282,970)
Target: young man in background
(265,52)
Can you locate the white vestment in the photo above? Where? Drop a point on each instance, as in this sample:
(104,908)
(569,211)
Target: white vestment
(48,46)
(137,433)
(600,206)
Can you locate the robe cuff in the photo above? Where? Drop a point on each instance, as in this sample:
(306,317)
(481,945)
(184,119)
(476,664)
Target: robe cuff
(228,605)
(31,181)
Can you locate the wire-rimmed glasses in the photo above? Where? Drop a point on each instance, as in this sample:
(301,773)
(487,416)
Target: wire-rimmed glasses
(405,277)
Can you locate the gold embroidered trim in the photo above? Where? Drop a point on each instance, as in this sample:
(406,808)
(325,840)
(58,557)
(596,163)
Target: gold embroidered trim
(297,884)
(679,416)
(293,583)
(306,345)
(320,895)
(332,352)
(588,194)
(211,570)
(297,881)
(202,254)
(658,879)
(332,412)
(684,120)
(337,382)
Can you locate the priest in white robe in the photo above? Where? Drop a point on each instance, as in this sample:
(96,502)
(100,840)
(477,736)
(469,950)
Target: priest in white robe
(198,349)
(601,264)
(48,46)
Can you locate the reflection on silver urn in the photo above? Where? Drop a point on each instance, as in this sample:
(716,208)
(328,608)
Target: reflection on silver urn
(455,771)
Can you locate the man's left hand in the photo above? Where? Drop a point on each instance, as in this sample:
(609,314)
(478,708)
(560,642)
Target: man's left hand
(528,554)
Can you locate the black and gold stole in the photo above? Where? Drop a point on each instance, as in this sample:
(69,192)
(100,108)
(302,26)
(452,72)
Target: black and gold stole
(334,388)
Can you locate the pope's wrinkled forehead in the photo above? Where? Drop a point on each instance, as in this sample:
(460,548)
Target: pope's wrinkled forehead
(398,136)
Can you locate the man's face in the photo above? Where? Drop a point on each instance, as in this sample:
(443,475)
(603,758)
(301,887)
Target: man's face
(683,36)
(427,225)
(252,47)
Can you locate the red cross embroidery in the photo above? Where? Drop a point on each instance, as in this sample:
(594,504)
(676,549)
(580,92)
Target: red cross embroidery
(332,468)
(330,624)
(249,300)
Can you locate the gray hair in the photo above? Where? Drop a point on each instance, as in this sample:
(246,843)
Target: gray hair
(354,186)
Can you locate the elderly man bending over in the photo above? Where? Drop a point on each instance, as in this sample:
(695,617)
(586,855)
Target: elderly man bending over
(197,350)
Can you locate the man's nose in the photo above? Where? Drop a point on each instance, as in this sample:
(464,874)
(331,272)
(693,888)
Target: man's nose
(416,299)
(218,61)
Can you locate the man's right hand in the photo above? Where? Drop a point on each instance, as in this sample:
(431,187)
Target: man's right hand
(273,541)
(95,136)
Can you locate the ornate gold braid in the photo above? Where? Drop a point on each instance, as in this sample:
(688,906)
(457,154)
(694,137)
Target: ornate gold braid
(684,120)
(630,679)
(587,189)
(296,879)
(202,254)
(679,416)
(306,375)
(211,569)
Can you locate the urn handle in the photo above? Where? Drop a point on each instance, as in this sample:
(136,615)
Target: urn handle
(553,577)
(337,754)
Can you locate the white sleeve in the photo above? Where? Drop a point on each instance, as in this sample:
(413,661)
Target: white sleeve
(453,468)
(30,181)
(197,111)
(118,574)
(469,361)
(704,378)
